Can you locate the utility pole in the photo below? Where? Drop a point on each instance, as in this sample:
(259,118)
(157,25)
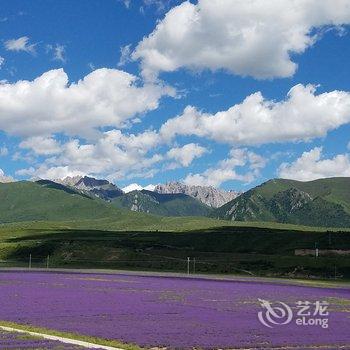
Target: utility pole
(194,265)
(30,261)
(48,261)
(316,250)
(188,265)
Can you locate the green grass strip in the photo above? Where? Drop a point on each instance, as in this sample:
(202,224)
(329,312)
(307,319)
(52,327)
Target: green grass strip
(74,336)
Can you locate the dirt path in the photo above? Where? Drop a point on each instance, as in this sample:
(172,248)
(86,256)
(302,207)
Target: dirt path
(61,339)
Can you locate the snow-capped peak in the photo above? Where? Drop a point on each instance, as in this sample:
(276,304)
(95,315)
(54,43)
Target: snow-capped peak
(137,187)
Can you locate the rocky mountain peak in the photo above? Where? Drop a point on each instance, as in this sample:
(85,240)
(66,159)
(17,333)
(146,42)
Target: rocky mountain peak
(94,187)
(87,182)
(208,195)
(69,180)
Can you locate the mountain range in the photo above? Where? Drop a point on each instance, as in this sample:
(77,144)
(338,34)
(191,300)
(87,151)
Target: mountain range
(213,197)
(104,189)
(135,198)
(324,202)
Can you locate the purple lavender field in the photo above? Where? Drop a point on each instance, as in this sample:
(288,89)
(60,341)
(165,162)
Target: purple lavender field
(172,312)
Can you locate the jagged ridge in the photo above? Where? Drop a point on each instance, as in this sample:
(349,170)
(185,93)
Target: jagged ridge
(95,187)
(208,195)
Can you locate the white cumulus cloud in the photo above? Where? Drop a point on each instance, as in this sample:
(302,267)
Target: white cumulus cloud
(303,115)
(255,37)
(228,169)
(50,104)
(41,145)
(185,155)
(51,173)
(113,155)
(311,166)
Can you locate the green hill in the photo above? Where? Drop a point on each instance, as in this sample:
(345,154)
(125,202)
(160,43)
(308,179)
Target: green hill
(48,201)
(324,202)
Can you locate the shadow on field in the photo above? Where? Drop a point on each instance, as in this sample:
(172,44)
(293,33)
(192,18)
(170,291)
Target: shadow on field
(245,250)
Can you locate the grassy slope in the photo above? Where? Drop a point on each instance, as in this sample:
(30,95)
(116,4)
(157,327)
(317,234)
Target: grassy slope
(161,224)
(331,202)
(335,190)
(28,201)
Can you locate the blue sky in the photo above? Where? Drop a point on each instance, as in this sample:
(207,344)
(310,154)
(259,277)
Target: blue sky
(152,91)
